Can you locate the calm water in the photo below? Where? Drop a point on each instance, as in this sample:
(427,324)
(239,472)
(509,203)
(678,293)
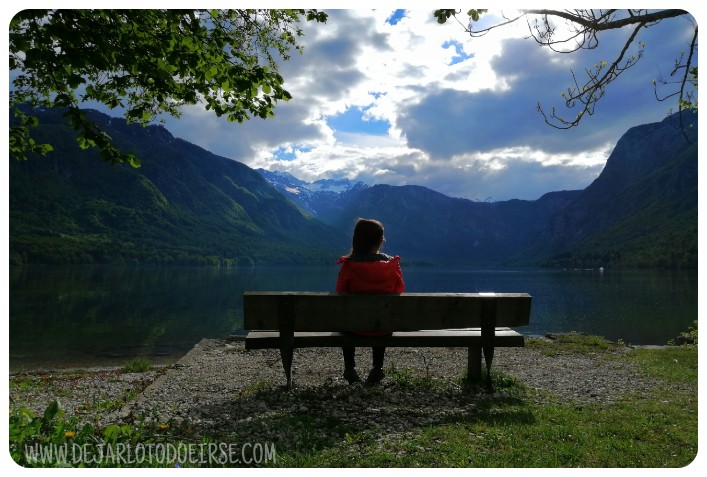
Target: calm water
(81,316)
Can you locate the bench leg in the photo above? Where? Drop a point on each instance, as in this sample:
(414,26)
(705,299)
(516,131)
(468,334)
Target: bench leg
(473,372)
(488,359)
(474,365)
(286,355)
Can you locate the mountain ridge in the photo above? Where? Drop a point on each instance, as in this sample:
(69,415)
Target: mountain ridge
(186,205)
(589,227)
(653,167)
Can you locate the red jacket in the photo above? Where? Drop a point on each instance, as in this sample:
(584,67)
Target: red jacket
(380,276)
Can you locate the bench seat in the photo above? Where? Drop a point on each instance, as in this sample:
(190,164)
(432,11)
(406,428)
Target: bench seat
(477,321)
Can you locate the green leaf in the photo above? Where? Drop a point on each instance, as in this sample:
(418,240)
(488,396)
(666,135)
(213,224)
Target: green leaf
(443,15)
(27,413)
(84,142)
(475,14)
(75,81)
(51,411)
(133,160)
(111,432)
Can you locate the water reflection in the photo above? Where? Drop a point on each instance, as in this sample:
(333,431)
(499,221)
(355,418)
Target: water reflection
(79,316)
(638,306)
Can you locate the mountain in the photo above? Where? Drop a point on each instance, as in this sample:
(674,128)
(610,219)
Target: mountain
(424,225)
(319,198)
(184,205)
(640,211)
(495,230)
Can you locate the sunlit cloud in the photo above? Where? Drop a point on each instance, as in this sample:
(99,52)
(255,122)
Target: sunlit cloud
(390,96)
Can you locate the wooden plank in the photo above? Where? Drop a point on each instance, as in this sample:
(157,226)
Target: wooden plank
(504,337)
(323,311)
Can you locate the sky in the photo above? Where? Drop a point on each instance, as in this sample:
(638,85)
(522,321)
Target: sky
(390,96)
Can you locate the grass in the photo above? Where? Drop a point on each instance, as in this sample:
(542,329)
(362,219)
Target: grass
(137,365)
(513,427)
(574,343)
(96,404)
(648,433)
(642,431)
(677,365)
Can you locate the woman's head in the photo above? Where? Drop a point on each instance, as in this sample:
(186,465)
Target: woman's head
(367,236)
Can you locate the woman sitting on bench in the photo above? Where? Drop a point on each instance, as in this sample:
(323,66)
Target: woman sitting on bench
(367,270)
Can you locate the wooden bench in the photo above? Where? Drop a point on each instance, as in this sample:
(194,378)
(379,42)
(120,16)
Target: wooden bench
(478,321)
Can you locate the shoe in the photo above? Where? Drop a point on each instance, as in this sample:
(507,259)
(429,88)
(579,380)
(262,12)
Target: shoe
(375,376)
(351,375)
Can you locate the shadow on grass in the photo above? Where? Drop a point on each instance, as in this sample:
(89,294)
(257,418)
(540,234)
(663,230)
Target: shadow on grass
(309,419)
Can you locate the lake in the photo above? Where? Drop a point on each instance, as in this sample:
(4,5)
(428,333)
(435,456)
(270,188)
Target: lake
(84,316)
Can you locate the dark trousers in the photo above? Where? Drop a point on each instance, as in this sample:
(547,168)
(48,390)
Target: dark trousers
(350,356)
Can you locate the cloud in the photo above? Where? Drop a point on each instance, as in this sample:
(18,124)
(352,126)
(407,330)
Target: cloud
(392,97)
(449,121)
(290,125)
(515,179)
(322,81)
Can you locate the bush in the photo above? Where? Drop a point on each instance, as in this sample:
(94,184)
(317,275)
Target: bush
(688,337)
(137,365)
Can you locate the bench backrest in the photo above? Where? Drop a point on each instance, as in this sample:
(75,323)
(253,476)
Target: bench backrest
(323,311)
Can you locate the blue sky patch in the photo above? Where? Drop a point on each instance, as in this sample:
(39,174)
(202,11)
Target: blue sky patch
(289,153)
(460,56)
(352,121)
(395,17)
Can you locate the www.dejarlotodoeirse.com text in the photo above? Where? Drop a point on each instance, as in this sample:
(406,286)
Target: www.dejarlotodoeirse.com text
(122,454)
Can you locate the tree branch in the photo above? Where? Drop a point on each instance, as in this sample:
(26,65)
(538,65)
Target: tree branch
(597,24)
(593,89)
(584,29)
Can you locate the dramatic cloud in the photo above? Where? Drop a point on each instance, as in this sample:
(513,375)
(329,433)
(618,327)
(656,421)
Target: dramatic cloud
(392,97)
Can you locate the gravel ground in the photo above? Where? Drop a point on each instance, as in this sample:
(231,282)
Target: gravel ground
(220,388)
(86,392)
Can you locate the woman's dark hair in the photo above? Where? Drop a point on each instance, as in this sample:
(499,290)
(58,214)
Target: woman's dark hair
(367,236)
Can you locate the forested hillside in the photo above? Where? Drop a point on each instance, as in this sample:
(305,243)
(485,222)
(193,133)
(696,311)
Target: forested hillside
(642,209)
(184,205)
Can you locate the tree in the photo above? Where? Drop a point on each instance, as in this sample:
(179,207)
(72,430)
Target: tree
(583,30)
(147,63)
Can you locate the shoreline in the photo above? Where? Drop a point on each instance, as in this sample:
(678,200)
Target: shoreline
(39,366)
(72,364)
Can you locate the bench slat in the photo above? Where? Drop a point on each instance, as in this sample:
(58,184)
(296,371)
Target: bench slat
(504,337)
(323,311)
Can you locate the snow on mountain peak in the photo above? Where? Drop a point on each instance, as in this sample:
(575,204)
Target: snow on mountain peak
(309,195)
